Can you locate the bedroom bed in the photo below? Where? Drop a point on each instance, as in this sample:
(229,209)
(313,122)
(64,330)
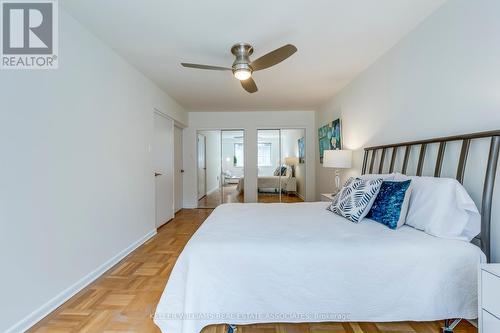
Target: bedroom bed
(256,263)
(272,183)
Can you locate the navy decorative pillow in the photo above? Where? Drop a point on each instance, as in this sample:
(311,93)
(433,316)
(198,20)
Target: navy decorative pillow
(280,171)
(391,205)
(355,198)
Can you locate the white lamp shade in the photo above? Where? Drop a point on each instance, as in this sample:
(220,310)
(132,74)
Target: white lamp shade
(339,159)
(291,160)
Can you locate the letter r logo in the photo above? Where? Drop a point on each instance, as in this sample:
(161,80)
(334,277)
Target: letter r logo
(27,27)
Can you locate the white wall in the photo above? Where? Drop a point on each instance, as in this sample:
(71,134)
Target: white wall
(441,79)
(77,185)
(250,122)
(213,149)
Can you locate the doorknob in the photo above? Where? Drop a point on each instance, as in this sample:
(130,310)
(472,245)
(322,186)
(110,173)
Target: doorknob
(182,171)
(157,174)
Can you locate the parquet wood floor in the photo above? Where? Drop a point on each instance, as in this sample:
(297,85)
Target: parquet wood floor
(125,297)
(275,198)
(229,195)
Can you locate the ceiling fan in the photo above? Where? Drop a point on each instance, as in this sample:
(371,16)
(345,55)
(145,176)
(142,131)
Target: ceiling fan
(243,68)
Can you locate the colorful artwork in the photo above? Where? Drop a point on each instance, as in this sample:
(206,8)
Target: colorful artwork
(330,137)
(302,150)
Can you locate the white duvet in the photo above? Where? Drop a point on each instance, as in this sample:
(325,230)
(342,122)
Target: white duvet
(258,263)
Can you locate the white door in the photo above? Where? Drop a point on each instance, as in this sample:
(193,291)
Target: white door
(163,167)
(202,166)
(178,168)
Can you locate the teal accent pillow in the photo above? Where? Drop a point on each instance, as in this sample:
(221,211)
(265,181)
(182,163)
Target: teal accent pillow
(391,204)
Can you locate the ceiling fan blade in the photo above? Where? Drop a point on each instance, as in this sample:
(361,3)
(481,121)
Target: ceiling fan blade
(249,85)
(197,66)
(273,58)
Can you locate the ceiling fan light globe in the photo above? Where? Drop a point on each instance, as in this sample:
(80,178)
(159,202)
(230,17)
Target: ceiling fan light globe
(242,74)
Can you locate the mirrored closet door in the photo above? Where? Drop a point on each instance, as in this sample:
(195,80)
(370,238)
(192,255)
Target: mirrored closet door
(233,166)
(220,161)
(281,165)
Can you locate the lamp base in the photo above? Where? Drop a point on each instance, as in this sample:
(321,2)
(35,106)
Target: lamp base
(337,180)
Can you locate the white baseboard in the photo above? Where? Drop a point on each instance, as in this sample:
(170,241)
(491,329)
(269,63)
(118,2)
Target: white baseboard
(37,315)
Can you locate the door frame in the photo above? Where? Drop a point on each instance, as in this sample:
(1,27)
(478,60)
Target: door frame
(197,165)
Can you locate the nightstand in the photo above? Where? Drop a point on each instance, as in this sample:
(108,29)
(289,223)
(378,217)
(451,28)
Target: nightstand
(327,196)
(489,298)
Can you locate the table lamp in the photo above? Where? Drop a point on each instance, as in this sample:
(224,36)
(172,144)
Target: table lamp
(337,159)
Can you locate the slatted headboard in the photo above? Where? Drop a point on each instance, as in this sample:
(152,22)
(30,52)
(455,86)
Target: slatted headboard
(371,153)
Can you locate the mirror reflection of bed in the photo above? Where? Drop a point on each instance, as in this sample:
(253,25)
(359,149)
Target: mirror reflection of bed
(220,167)
(281,165)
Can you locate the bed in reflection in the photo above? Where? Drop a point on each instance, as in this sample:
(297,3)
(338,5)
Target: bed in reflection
(272,184)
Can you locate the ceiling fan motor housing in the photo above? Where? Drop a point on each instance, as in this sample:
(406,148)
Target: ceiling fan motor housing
(242,52)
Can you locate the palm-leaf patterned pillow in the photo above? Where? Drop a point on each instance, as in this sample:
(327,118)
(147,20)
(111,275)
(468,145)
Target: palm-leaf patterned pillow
(355,199)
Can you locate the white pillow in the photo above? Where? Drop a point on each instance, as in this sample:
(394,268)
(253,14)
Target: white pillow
(383,176)
(442,207)
(355,198)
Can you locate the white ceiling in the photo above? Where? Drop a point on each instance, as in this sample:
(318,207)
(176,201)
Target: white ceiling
(337,39)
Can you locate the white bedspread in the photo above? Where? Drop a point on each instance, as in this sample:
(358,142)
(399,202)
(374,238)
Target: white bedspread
(253,263)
